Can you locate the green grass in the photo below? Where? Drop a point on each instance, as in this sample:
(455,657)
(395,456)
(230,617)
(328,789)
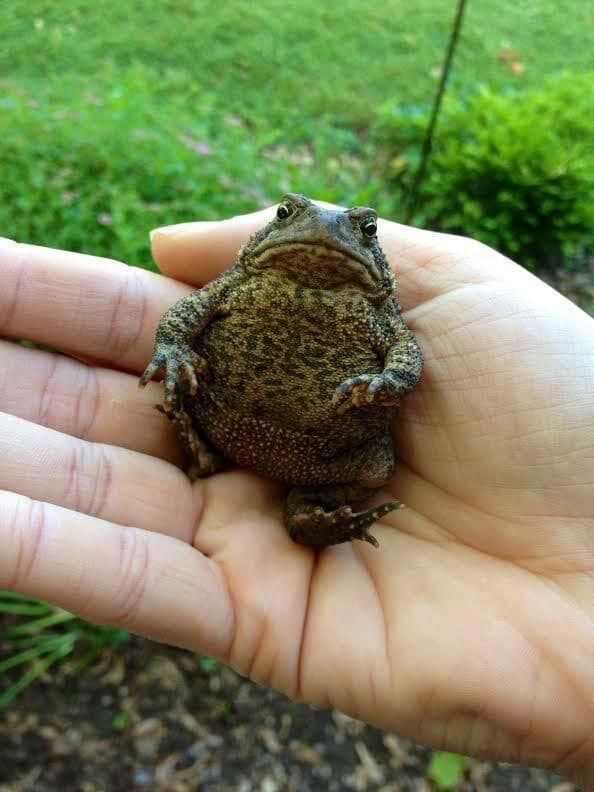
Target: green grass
(284,64)
(115,118)
(42,637)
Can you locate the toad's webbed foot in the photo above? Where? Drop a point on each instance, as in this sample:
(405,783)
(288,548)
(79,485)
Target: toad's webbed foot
(320,528)
(378,390)
(317,519)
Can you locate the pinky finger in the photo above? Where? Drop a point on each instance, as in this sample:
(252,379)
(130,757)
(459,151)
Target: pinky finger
(142,581)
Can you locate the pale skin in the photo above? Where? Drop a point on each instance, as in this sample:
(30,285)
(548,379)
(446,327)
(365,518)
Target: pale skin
(470,629)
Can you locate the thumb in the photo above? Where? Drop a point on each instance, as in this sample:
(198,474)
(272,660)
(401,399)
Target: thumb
(198,252)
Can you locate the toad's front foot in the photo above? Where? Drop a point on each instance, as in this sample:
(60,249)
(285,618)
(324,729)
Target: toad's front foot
(366,390)
(320,528)
(180,367)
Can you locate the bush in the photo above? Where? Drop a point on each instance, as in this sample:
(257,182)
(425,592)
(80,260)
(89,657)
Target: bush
(515,171)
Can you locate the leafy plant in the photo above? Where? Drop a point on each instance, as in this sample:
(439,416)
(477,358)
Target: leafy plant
(515,171)
(44,636)
(446,769)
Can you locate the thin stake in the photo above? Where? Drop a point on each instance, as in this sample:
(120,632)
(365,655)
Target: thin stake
(413,195)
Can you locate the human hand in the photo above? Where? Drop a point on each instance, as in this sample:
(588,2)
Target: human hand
(471,628)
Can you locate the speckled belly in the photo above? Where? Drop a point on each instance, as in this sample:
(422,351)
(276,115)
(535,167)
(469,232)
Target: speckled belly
(295,456)
(272,378)
(286,374)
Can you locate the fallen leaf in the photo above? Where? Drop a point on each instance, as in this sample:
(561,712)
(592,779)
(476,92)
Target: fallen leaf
(507,53)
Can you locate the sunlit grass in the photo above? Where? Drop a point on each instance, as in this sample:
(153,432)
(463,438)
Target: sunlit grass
(291,66)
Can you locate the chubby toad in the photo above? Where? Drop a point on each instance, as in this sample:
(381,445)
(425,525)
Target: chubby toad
(292,363)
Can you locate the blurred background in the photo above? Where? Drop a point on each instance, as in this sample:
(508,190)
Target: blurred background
(116,118)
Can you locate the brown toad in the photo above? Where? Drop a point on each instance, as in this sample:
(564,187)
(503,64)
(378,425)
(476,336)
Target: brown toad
(292,364)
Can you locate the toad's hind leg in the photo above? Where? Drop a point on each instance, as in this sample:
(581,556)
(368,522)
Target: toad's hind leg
(325,515)
(204,460)
(322,516)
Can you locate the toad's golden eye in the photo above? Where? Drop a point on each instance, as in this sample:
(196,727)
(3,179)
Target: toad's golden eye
(369,226)
(284,210)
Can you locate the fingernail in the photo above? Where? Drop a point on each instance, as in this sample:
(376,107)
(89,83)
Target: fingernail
(164,231)
(181,228)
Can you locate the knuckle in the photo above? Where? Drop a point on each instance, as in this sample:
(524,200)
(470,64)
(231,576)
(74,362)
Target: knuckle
(83,395)
(27,535)
(47,392)
(87,398)
(72,492)
(89,480)
(133,566)
(13,285)
(126,323)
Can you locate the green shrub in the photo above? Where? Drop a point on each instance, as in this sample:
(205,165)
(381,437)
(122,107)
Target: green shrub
(515,171)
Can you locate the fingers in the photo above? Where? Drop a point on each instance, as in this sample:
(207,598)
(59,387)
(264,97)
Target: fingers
(198,252)
(141,581)
(92,307)
(268,575)
(96,479)
(94,404)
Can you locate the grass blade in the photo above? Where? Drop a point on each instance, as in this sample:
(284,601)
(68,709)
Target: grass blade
(15,596)
(24,608)
(37,625)
(40,648)
(38,669)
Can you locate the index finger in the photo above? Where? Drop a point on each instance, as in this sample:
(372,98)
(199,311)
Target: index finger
(199,251)
(140,580)
(90,307)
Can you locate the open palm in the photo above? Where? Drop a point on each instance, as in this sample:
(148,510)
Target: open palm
(471,628)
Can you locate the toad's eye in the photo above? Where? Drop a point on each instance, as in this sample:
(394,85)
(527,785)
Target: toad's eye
(284,210)
(369,226)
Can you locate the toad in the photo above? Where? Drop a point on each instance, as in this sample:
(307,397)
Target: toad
(292,363)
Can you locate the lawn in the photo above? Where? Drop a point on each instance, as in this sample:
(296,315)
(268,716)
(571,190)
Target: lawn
(116,118)
(285,65)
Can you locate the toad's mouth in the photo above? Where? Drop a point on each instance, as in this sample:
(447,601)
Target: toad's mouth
(333,261)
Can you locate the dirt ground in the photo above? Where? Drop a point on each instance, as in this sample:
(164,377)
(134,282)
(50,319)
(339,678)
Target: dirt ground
(150,717)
